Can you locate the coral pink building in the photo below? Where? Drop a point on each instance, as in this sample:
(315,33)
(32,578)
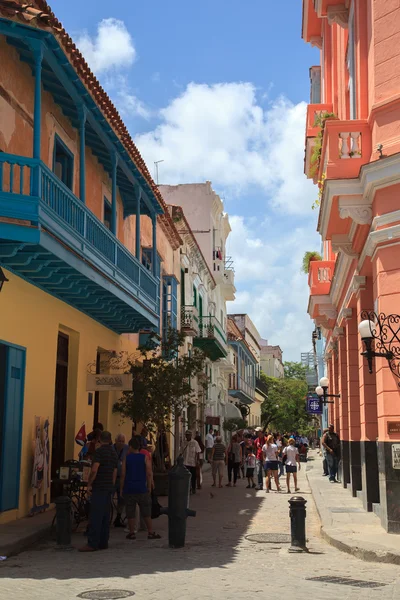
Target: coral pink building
(353,152)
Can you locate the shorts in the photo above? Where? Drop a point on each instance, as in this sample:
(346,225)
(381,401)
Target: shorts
(271,465)
(291,469)
(218,467)
(249,472)
(142,500)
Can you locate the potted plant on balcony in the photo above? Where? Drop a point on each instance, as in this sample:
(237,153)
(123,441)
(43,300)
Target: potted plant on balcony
(317,149)
(308,257)
(161,390)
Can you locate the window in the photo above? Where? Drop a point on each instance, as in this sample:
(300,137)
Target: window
(147,258)
(169,304)
(194,296)
(107,213)
(63,162)
(351,64)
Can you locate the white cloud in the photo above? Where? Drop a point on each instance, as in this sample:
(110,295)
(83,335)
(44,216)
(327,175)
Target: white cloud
(111,47)
(221,133)
(272,290)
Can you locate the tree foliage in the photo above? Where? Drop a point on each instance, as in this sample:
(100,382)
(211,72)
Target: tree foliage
(234,424)
(294,370)
(285,408)
(162,383)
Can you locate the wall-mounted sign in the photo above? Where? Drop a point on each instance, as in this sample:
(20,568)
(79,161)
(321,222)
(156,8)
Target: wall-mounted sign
(393,427)
(212,421)
(108,383)
(314,405)
(396,456)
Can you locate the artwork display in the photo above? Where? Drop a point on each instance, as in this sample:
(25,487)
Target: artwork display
(40,482)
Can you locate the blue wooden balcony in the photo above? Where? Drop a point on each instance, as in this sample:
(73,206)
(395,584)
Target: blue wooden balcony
(51,239)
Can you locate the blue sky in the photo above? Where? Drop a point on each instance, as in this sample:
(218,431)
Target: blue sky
(218,91)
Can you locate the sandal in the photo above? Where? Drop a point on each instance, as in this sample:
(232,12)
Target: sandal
(131,536)
(154,536)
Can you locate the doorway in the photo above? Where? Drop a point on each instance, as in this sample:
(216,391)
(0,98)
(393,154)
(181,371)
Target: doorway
(12,376)
(60,406)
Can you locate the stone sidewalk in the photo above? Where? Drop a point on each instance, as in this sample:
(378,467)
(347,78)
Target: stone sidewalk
(220,561)
(344,522)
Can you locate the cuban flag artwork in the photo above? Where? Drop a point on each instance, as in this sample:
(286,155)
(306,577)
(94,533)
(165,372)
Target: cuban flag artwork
(80,437)
(314,405)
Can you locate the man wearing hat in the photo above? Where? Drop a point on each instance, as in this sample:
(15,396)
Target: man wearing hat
(191,451)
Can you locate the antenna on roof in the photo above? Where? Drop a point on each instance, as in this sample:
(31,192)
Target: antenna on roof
(156,163)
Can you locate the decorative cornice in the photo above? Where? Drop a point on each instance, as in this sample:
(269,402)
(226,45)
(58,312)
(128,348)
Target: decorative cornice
(358,283)
(338,14)
(328,310)
(379,236)
(356,208)
(344,314)
(337,332)
(316,41)
(343,243)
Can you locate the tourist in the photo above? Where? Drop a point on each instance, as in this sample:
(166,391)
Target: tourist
(143,435)
(279,441)
(121,449)
(191,453)
(91,435)
(331,443)
(101,486)
(258,446)
(136,486)
(292,460)
(270,454)
(94,444)
(324,453)
(199,466)
(209,445)
(218,459)
(234,460)
(250,463)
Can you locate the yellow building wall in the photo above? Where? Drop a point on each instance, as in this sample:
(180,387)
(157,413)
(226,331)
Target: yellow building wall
(254,418)
(32,318)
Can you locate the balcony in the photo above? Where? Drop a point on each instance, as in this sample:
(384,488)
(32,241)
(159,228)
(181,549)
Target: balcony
(189,321)
(224,274)
(314,112)
(211,338)
(261,386)
(51,239)
(320,277)
(240,389)
(346,147)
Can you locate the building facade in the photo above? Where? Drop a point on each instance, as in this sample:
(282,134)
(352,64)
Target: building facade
(84,239)
(353,151)
(242,382)
(209,224)
(271,360)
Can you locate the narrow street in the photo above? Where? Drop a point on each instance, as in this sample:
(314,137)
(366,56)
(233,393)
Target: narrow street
(217,562)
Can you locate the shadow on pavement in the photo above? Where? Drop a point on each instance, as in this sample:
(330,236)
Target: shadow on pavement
(224,517)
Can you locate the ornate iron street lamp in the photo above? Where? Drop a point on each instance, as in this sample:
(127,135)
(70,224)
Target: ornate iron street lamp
(322,391)
(3,279)
(385,330)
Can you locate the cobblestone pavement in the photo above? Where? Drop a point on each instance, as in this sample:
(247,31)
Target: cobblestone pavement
(217,562)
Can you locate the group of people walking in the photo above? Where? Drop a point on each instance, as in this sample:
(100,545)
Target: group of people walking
(246,456)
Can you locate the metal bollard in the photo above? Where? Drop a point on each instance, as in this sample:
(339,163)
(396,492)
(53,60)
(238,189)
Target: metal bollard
(63,522)
(178,501)
(298,524)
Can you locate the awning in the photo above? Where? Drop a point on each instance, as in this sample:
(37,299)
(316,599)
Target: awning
(232,411)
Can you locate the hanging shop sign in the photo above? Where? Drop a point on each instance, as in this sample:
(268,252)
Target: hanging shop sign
(396,456)
(212,421)
(108,383)
(314,405)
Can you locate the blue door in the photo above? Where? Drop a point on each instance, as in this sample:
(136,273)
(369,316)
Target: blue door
(12,366)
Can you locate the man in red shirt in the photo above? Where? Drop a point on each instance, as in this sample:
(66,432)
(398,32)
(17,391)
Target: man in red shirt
(258,444)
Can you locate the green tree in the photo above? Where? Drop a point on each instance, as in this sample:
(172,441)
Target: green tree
(161,383)
(285,407)
(294,370)
(234,424)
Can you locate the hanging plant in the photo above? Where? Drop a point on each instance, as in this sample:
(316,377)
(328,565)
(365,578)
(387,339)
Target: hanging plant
(321,183)
(317,149)
(308,257)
